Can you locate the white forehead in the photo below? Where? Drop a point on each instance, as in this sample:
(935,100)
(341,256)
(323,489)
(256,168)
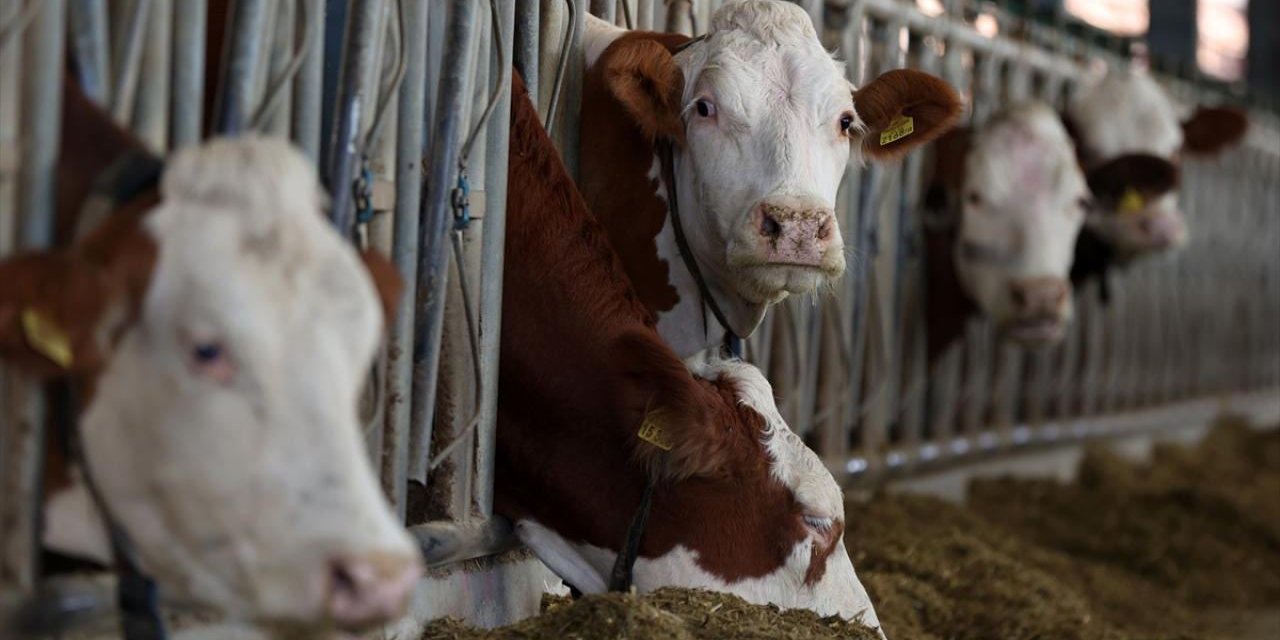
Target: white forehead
(767,53)
(1023,156)
(242,242)
(1126,112)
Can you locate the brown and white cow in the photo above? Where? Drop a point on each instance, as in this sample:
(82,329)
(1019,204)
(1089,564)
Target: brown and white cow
(1004,205)
(591,400)
(1131,140)
(762,123)
(218,331)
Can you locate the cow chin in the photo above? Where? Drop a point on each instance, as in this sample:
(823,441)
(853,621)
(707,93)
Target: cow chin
(771,282)
(1035,331)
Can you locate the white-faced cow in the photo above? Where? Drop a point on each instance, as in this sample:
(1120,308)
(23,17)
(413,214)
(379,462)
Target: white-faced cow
(592,403)
(218,331)
(1005,204)
(752,126)
(1130,141)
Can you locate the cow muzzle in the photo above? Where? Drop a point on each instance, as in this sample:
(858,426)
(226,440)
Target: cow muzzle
(797,232)
(1040,310)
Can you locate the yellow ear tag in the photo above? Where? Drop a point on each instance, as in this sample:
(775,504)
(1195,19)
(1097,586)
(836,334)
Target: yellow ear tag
(47,338)
(652,431)
(1131,201)
(901,127)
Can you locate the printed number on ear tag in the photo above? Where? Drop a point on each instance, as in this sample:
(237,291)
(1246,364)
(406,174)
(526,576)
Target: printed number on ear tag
(47,338)
(1131,201)
(651,431)
(901,127)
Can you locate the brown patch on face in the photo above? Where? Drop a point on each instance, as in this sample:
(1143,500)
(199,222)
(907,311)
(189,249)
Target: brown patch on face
(568,454)
(1212,130)
(1149,175)
(932,103)
(823,547)
(617,155)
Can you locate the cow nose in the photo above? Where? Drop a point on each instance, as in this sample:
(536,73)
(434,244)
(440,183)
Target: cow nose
(1039,295)
(370,589)
(794,231)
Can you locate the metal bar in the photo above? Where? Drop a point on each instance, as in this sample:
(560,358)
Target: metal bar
(127,56)
(433,268)
(189,49)
(234,103)
(346,144)
(526,50)
(22,457)
(491,268)
(404,253)
(151,115)
(309,85)
(90,48)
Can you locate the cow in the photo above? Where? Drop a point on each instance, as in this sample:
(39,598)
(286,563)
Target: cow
(1131,142)
(753,126)
(1003,207)
(593,404)
(218,330)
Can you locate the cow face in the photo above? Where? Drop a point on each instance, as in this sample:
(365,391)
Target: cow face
(1131,143)
(224,339)
(763,123)
(1023,203)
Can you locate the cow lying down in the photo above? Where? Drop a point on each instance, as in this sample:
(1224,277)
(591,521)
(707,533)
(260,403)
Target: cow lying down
(592,400)
(218,333)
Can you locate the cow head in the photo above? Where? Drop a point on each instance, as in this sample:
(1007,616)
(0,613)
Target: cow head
(221,341)
(1023,200)
(762,123)
(1130,142)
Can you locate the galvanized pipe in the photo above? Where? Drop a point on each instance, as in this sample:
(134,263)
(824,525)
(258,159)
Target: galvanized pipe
(234,104)
(151,115)
(526,50)
(346,141)
(189,25)
(309,85)
(404,252)
(91,51)
(437,217)
(127,55)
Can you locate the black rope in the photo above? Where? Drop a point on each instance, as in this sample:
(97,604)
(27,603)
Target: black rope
(624,565)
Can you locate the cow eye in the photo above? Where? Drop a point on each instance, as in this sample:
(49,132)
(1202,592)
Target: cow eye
(846,122)
(210,360)
(705,108)
(973,198)
(1085,203)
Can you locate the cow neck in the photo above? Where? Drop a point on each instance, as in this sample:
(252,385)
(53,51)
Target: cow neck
(566,455)
(947,303)
(623,186)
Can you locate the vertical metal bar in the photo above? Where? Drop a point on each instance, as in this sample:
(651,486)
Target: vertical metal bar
(127,56)
(492,244)
(604,9)
(189,24)
(364,18)
(233,106)
(22,457)
(151,115)
(89,43)
(282,49)
(433,253)
(309,85)
(405,252)
(526,48)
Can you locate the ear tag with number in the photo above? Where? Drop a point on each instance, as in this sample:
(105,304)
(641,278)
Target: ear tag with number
(652,431)
(1131,201)
(901,127)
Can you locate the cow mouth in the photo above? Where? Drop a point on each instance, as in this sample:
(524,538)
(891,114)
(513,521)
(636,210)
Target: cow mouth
(1036,331)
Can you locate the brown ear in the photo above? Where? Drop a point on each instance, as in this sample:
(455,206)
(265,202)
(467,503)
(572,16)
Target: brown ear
(386,279)
(932,105)
(1212,130)
(52,306)
(642,76)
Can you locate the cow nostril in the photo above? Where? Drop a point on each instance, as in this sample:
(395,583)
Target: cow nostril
(769,226)
(1019,295)
(824,231)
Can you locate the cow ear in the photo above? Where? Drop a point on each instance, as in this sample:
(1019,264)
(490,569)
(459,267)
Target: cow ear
(643,76)
(1212,130)
(386,279)
(52,306)
(903,109)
